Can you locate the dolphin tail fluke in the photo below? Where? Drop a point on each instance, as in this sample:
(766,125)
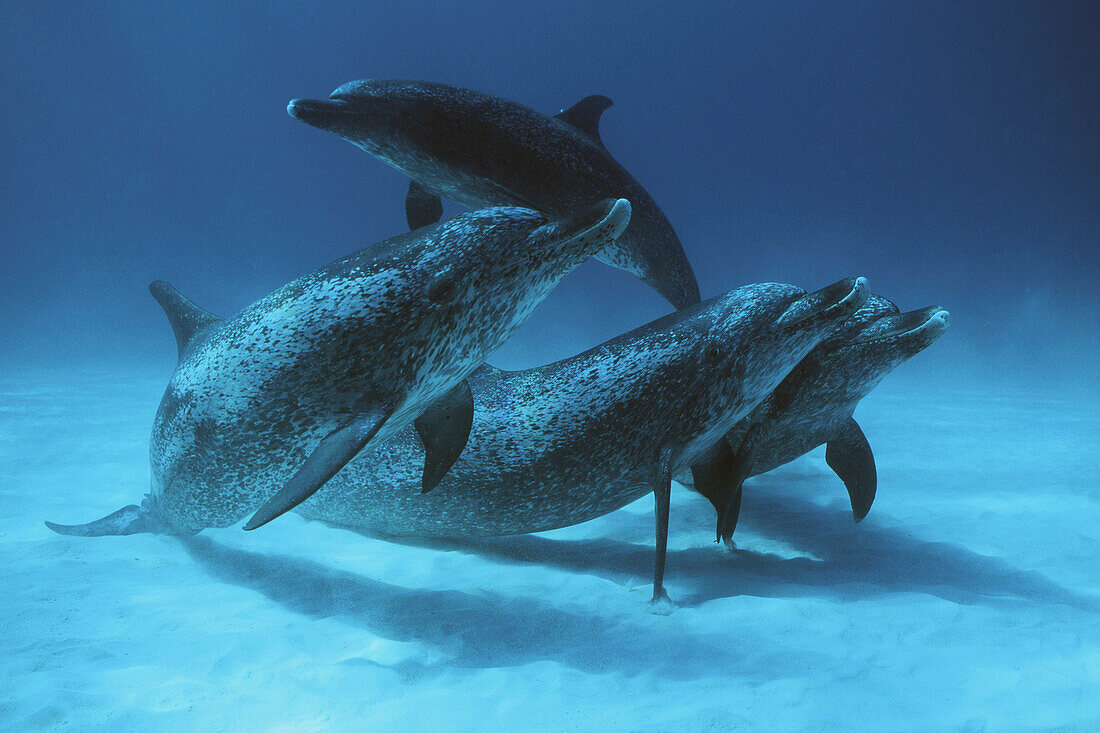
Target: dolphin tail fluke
(131,519)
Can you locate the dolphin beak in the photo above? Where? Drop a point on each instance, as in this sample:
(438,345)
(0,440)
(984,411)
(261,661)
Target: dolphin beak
(839,300)
(928,323)
(610,215)
(938,322)
(603,221)
(318,112)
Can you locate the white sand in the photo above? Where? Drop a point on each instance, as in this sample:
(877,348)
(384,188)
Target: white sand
(969,599)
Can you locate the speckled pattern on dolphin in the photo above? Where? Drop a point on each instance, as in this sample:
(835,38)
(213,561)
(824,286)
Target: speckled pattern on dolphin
(814,405)
(564,443)
(481,150)
(282,395)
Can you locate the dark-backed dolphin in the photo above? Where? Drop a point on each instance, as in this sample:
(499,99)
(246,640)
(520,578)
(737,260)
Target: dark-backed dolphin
(813,405)
(480,150)
(270,403)
(564,443)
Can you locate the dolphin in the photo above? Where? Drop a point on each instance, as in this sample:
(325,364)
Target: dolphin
(813,405)
(564,443)
(271,403)
(480,150)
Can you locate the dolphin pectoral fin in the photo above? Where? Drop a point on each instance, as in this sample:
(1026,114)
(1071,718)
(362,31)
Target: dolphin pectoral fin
(740,468)
(585,116)
(422,208)
(731,510)
(727,519)
(127,520)
(662,493)
(333,453)
(850,456)
(445,427)
(712,477)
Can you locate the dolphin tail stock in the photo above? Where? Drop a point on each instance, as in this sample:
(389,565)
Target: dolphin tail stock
(132,519)
(651,251)
(675,281)
(657,258)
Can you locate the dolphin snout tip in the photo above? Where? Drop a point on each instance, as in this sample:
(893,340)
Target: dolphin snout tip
(614,216)
(941,320)
(857,296)
(620,211)
(296,108)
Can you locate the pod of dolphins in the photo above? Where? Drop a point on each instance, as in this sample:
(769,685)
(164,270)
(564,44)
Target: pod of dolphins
(358,394)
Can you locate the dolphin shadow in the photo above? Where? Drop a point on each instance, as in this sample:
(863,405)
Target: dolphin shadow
(475,630)
(850,562)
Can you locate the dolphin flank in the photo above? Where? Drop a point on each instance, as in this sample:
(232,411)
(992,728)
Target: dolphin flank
(271,403)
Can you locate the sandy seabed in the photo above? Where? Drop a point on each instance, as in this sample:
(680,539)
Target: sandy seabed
(969,599)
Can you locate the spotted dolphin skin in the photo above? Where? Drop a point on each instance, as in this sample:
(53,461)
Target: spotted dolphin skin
(271,403)
(479,150)
(564,443)
(814,405)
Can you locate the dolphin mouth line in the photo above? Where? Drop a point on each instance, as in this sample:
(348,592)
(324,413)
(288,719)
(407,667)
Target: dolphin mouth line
(935,320)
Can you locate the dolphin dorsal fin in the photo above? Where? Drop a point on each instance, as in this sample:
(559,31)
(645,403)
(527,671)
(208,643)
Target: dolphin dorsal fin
(585,116)
(186,318)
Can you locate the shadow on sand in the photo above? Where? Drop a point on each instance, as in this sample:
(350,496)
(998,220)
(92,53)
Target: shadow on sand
(492,630)
(480,630)
(849,562)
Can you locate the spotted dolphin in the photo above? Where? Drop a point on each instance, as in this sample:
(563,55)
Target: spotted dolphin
(271,403)
(481,150)
(564,443)
(813,405)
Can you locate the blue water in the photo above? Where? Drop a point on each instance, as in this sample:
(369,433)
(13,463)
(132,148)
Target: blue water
(949,152)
